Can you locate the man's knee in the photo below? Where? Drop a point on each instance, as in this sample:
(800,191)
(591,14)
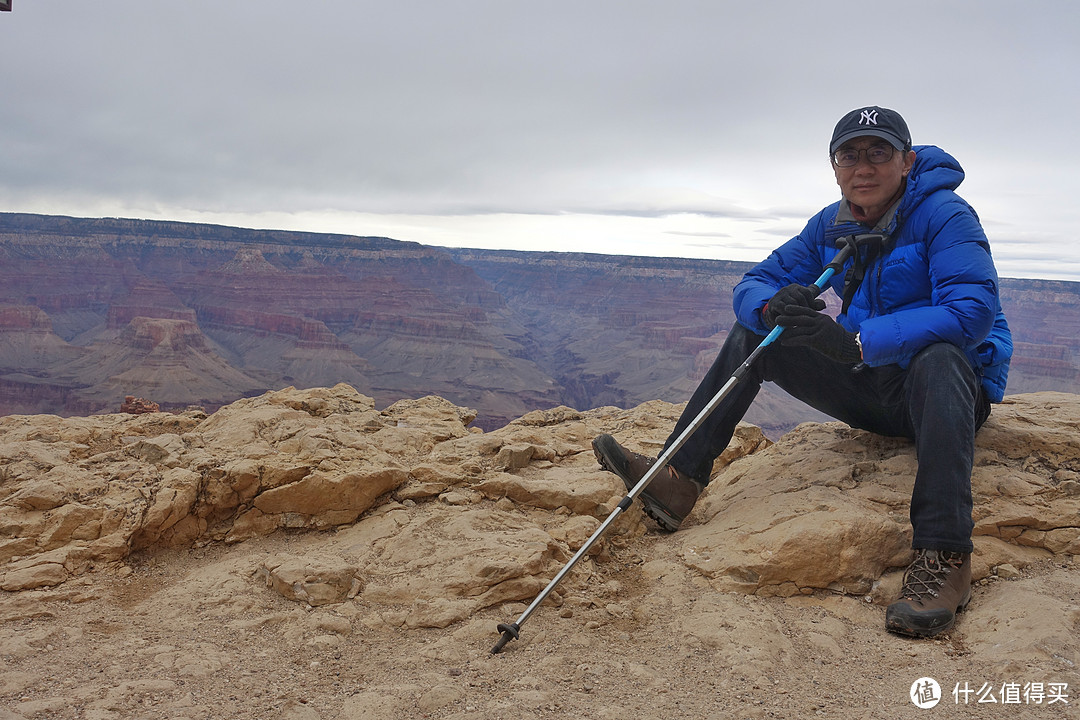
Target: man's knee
(943,364)
(941,355)
(739,334)
(738,344)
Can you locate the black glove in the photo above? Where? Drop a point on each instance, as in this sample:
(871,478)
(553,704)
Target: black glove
(799,295)
(817,331)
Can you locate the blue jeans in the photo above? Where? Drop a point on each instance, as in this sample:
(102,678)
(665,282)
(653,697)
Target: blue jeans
(936,401)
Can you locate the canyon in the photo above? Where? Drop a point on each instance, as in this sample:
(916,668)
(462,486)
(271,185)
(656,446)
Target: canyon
(193,315)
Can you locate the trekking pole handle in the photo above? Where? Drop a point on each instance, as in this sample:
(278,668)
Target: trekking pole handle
(848,246)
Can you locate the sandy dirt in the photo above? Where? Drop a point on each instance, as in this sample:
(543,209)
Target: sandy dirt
(195,634)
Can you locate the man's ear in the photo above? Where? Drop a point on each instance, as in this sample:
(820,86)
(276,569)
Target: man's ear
(909,160)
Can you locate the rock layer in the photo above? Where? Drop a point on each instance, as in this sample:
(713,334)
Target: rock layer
(142,579)
(436,520)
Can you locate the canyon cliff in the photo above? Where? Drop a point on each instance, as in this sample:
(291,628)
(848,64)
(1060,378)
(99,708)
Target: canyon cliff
(93,310)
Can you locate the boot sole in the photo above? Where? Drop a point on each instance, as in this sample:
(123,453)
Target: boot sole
(655,510)
(904,626)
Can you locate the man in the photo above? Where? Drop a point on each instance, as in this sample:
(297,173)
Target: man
(919,349)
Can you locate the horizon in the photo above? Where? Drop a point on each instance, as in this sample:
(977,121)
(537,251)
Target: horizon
(1001,274)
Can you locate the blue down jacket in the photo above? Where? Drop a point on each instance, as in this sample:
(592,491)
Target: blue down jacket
(932,281)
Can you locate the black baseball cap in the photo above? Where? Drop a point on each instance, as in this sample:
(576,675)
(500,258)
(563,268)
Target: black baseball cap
(875,121)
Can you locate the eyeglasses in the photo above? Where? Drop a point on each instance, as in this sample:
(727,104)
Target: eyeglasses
(876,154)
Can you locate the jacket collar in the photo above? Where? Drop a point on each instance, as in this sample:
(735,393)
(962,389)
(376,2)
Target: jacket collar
(884,225)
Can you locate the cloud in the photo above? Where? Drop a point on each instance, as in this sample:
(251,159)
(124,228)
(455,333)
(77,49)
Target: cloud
(623,110)
(698,234)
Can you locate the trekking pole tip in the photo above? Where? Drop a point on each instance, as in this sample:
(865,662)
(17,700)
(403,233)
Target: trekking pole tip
(509,632)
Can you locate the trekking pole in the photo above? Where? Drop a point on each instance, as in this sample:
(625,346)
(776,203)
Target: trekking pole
(511,631)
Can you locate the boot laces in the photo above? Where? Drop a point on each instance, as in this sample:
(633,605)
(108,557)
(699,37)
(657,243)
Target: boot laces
(928,573)
(650,461)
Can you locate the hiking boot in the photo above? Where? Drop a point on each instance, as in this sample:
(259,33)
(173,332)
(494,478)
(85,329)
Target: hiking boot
(937,585)
(668,498)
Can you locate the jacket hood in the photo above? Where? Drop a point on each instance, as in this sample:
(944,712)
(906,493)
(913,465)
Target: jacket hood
(933,170)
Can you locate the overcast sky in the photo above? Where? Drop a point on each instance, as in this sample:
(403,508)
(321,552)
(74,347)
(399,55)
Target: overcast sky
(670,127)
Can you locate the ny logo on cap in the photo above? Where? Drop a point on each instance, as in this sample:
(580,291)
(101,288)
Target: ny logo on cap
(868,117)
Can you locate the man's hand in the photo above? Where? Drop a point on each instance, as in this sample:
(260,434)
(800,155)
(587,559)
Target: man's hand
(797,295)
(817,331)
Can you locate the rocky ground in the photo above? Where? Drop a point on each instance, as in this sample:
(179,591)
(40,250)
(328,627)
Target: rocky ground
(162,566)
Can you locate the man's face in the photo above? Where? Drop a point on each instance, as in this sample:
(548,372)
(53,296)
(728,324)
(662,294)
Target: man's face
(872,186)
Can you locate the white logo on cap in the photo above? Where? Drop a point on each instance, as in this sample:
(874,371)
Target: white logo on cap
(868,117)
